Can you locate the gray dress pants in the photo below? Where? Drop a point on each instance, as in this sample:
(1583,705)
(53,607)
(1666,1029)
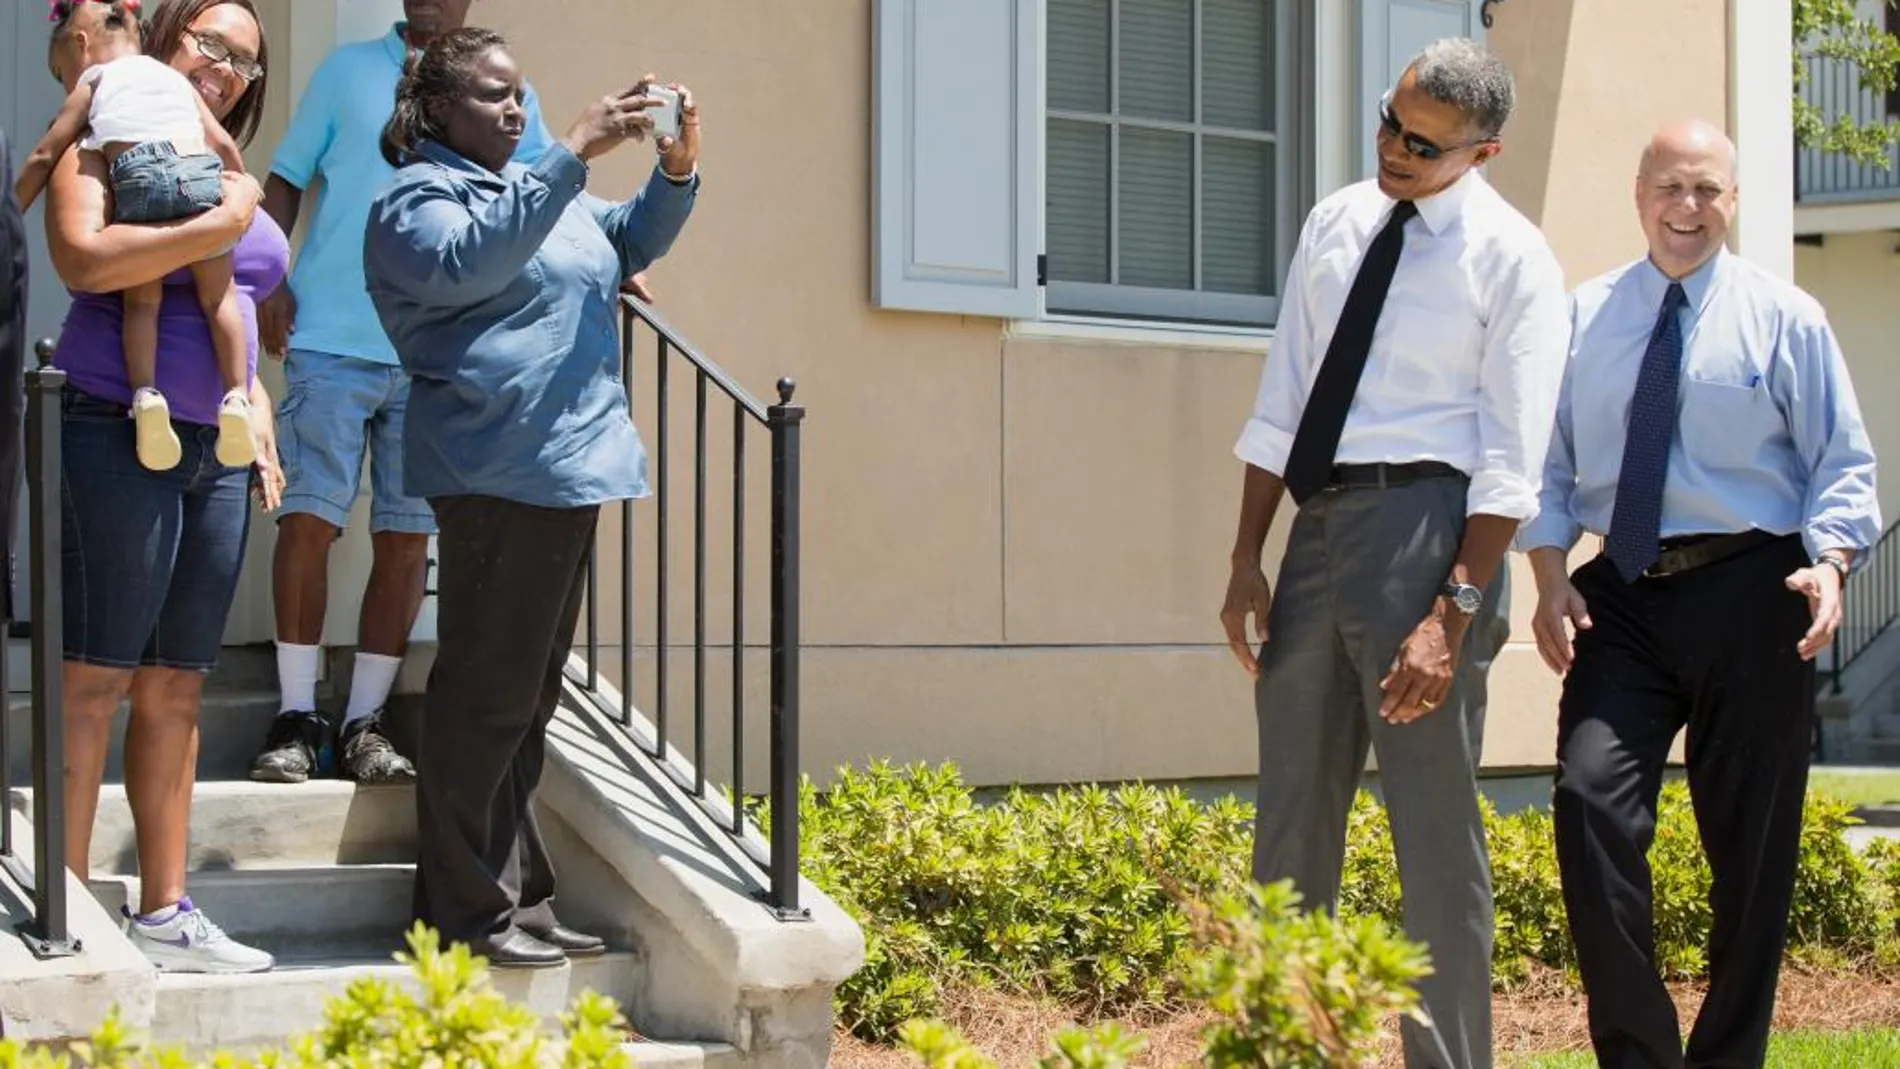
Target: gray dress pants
(1362,568)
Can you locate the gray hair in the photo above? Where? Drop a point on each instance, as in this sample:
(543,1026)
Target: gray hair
(1460,72)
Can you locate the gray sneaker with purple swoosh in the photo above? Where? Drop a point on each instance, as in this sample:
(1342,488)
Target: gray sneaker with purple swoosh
(183,939)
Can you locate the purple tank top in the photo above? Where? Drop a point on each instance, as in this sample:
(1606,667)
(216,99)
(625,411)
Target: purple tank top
(92,348)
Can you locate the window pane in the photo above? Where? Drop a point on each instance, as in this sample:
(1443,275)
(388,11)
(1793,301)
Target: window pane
(1237,64)
(1157,206)
(1157,59)
(1077,209)
(1237,234)
(1078,55)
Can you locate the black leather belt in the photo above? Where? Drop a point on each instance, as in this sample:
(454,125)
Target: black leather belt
(1381,476)
(1693,551)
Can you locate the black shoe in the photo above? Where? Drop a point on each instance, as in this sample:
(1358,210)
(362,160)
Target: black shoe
(368,756)
(297,748)
(574,944)
(517,950)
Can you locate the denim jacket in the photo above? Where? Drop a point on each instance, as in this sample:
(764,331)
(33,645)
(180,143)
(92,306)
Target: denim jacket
(499,294)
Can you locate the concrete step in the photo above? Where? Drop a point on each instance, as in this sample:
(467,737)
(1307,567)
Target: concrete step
(237,824)
(650,1055)
(244,1012)
(296,912)
(1881,751)
(231,728)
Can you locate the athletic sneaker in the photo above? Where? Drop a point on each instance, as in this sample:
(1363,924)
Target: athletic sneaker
(300,745)
(182,939)
(156,442)
(236,448)
(368,755)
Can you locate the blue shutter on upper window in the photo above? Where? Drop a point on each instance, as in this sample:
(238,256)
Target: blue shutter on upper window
(957,131)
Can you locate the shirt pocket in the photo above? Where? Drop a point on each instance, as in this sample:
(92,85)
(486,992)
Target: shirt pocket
(1726,424)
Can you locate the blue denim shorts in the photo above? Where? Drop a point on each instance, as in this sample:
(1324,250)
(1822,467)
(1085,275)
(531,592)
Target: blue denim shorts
(336,409)
(152,183)
(150,559)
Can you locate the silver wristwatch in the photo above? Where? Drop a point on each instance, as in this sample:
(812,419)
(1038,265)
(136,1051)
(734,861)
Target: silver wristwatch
(1466,598)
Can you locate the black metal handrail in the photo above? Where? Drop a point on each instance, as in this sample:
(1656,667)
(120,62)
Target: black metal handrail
(1870,602)
(783,422)
(46,932)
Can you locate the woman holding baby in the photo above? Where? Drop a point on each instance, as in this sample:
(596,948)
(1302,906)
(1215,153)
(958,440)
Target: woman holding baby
(152,555)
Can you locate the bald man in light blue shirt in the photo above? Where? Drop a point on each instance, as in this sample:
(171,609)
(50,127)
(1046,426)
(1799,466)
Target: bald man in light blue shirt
(1708,430)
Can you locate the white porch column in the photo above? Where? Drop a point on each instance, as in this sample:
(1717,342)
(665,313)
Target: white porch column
(315,28)
(1761,119)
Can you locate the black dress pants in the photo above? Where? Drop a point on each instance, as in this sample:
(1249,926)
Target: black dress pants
(1711,649)
(509,594)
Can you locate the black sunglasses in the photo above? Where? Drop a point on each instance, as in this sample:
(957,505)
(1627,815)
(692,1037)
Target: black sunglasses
(1415,144)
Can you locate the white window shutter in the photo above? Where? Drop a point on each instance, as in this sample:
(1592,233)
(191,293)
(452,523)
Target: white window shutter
(1390,33)
(958,127)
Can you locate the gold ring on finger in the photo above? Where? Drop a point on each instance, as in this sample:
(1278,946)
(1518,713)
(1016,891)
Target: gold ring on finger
(1427,704)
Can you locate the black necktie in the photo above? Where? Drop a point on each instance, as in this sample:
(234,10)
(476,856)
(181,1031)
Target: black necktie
(1636,520)
(1309,465)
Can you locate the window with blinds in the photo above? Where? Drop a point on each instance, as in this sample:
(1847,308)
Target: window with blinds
(1162,169)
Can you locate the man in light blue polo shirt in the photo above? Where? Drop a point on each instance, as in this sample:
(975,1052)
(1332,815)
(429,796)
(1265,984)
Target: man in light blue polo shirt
(346,396)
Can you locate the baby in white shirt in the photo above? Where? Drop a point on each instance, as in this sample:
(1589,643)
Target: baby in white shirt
(166,154)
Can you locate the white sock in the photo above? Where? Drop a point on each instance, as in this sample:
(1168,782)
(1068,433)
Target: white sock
(297,676)
(370,684)
(160,916)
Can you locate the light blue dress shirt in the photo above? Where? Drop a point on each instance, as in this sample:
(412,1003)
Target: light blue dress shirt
(335,135)
(1768,434)
(499,292)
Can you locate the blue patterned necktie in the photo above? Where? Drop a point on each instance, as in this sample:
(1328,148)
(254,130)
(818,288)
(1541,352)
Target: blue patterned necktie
(1636,523)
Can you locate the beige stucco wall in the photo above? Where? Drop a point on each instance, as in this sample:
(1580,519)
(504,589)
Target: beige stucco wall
(1015,547)
(1855,276)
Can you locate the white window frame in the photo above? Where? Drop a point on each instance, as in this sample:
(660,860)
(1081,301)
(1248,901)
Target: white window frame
(1111,303)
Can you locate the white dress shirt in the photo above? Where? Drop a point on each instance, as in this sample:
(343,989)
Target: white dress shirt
(1467,357)
(1769,433)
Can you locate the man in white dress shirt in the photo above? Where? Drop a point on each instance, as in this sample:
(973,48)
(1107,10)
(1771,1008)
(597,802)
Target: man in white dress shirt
(1405,407)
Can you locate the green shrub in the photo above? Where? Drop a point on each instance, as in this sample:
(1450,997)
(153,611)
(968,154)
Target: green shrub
(938,1046)
(1291,989)
(1056,894)
(458,1020)
(1298,990)
(1527,896)
(1838,902)
(1060,894)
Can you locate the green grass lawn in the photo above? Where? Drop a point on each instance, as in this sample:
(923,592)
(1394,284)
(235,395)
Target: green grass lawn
(1874,1049)
(1858,788)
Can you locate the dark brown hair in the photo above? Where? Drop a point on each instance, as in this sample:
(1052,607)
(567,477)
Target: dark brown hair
(437,77)
(165,34)
(120,18)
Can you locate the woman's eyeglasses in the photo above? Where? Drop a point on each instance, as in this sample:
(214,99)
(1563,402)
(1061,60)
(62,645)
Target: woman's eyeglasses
(1414,144)
(214,49)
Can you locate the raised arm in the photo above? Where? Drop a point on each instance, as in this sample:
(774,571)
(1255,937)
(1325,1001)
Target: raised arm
(68,125)
(94,256)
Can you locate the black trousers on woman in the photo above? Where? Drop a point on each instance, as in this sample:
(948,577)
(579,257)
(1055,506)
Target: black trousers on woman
(508,595)
(1711,649)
